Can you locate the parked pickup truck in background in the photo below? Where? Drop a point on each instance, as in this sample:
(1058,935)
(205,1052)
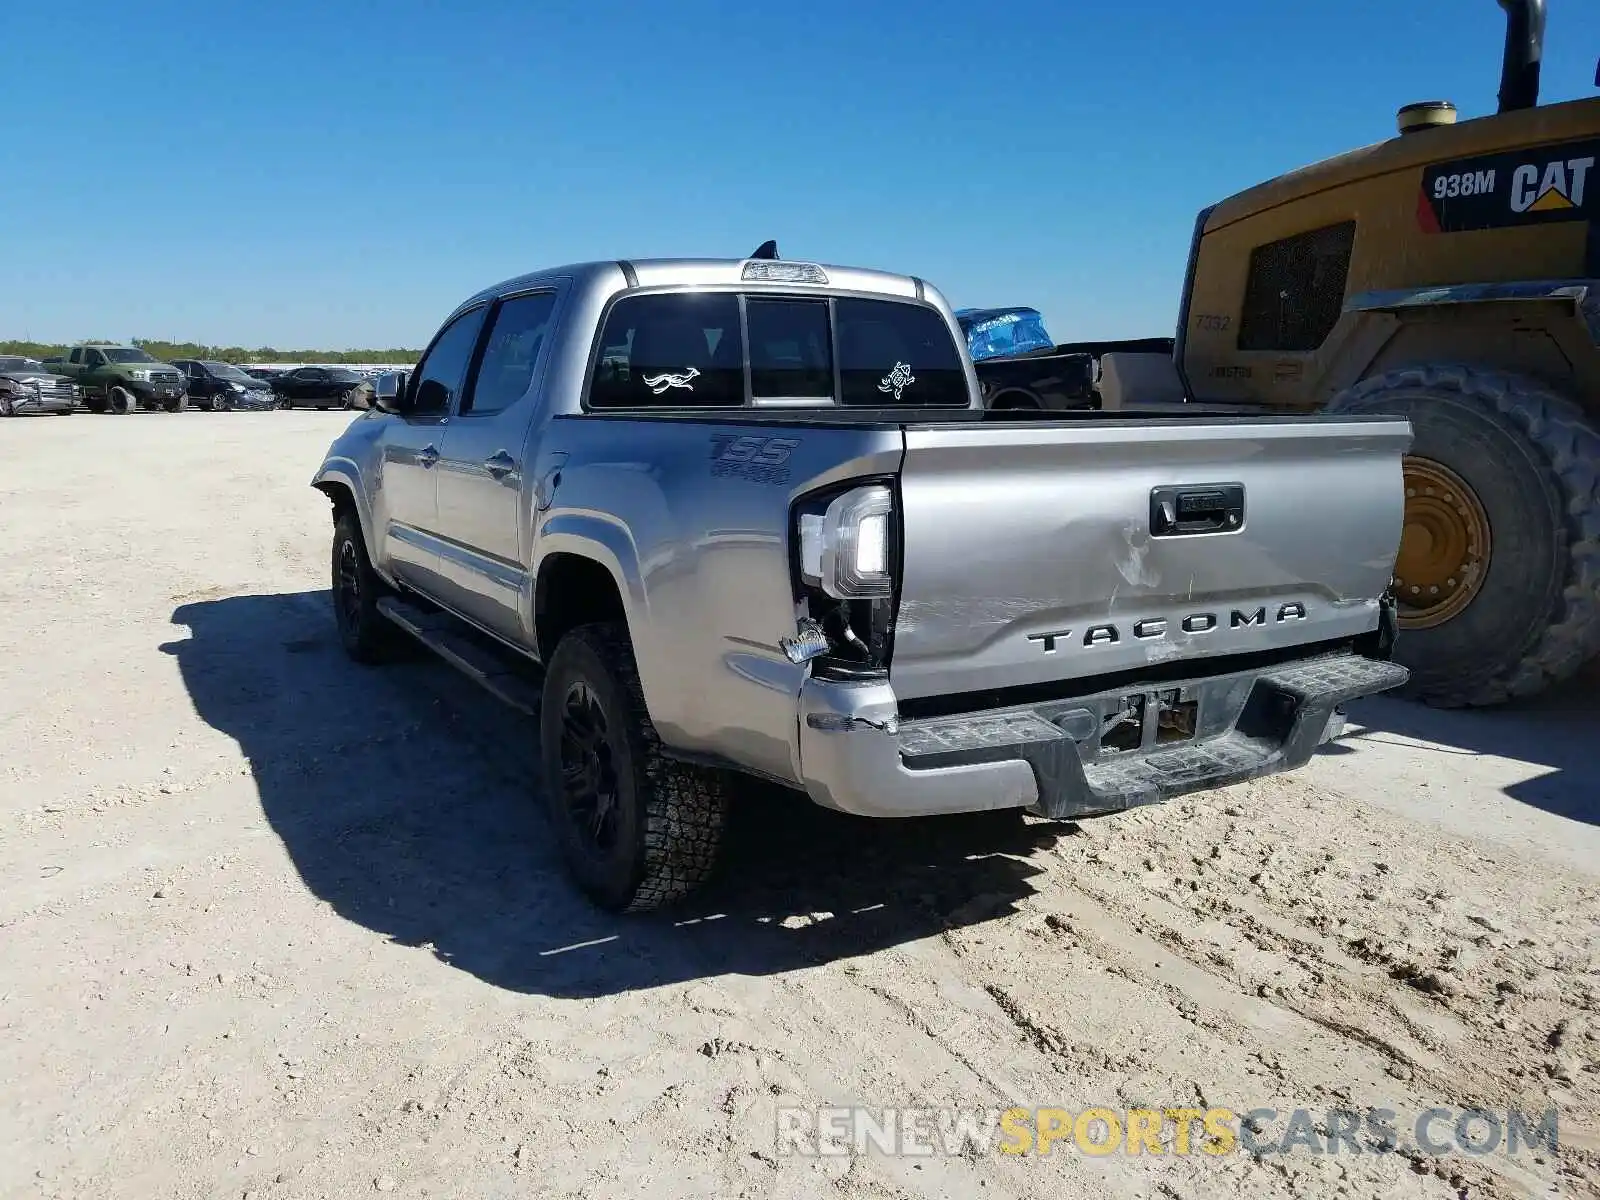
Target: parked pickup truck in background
(710,517)
(120,379)
(28,386)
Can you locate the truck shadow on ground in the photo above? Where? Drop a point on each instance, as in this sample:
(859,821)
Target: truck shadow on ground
(406,800)
(1558,731)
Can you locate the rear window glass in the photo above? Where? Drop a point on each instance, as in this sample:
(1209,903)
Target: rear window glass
(897,354)
(687,350)
(673,351)
(790,354)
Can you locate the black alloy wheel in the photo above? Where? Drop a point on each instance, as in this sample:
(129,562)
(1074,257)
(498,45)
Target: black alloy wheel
(590,786)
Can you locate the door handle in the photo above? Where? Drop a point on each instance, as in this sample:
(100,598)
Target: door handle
(500,465)
(428,455)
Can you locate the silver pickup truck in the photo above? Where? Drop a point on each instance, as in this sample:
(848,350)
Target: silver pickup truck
(707,517)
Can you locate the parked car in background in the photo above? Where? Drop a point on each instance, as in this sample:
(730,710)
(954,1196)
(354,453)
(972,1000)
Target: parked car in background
(120,379)
(220,386)
(322,387)
(264,374)
(28,386)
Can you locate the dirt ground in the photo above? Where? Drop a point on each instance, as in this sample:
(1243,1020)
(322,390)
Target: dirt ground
(274,925)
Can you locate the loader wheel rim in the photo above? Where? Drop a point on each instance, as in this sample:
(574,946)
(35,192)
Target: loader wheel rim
(1444,548)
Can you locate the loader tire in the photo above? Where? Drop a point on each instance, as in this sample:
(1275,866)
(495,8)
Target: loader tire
(1530,461)
(637,829)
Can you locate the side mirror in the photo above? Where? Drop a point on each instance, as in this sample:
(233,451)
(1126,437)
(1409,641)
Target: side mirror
(389,394)
(1078,374)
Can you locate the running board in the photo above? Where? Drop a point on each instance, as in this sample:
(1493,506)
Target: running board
(451,641)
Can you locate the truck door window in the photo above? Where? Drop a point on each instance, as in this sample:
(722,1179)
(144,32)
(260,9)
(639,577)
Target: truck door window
(506,369)
(790,351)
(893,353)
(96,359)
(76,355)
(444,368)
(681,350)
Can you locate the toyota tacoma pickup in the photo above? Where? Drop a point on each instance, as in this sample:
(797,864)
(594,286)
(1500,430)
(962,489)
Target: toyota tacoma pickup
(707,517)
(122,379)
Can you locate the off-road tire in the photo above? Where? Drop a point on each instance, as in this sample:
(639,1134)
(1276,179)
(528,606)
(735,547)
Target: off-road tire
(366,634)
(173,406)
(672,814)
(120,401)
(7,407)
(1534,461)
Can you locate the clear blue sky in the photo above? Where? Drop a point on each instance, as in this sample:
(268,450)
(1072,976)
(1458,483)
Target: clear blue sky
(338,173)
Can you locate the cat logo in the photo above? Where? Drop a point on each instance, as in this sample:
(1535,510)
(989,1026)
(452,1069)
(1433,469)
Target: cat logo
(1554,187)
(1509,190)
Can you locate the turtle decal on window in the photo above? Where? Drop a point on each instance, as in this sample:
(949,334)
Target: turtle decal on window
(897,380)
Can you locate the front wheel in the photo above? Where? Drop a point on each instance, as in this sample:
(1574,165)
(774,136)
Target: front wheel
(1498,573)
(637,829)
(367,635)
(120,401)
(7,408)
(220,402)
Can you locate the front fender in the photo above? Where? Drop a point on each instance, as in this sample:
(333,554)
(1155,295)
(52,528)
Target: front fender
(339,472)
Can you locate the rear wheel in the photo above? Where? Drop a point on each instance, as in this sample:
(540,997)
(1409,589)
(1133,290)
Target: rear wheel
(1498,572)
(637,829)
(7,408)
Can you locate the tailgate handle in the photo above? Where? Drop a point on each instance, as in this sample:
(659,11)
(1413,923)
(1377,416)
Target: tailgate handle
(1198,508)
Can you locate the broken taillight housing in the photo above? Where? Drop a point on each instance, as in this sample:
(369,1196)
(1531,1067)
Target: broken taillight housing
(845,553)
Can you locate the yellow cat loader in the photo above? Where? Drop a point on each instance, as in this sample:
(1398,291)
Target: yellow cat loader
(1452,275)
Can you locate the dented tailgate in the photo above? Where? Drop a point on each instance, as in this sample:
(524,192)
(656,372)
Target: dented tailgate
(1045,552)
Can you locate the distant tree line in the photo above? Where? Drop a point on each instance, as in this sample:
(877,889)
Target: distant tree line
(228,354)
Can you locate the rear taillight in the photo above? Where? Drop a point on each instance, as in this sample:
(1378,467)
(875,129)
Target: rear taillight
(846,560)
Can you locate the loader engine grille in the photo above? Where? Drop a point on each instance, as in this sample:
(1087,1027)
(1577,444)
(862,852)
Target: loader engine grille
(1296,289)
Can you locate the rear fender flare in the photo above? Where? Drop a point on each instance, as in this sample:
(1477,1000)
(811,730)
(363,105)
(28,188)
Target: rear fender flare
(603,541)
(607,542)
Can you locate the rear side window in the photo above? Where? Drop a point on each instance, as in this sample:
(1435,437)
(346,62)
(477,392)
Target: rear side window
(506,372)
(897,354)
(673,351)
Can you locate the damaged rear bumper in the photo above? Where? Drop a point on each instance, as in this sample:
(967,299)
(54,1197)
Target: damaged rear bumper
(1082,756)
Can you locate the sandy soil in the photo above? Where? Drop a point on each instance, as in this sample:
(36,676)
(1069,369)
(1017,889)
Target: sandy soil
(273,925)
